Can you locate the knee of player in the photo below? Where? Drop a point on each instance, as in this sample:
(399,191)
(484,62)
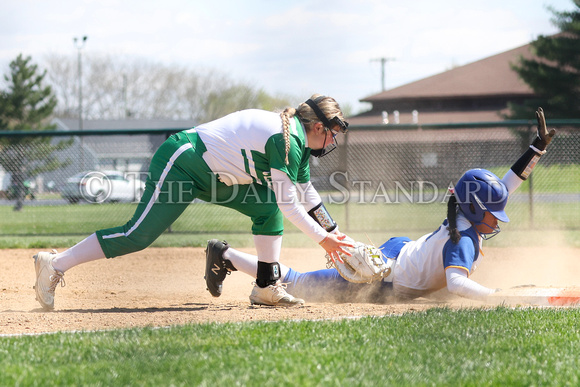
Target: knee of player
(270,217)
(140,242)
(144,242)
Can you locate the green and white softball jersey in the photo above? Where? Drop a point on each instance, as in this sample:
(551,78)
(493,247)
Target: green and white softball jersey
(241,148)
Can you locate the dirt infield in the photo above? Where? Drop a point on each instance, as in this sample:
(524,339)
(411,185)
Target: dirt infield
(165,286)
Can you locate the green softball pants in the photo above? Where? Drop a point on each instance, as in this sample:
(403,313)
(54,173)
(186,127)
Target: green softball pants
(178,175)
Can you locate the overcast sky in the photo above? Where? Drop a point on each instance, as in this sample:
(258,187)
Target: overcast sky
(294,47)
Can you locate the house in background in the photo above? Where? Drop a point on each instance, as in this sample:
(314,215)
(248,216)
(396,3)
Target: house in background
(475,92)
(125,153)
(118,152)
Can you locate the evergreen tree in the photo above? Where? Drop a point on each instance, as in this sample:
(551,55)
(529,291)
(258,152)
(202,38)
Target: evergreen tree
(554,74)
(26,105)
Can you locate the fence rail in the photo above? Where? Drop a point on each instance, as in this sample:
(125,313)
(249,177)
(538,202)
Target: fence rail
(573,123)
(383,177)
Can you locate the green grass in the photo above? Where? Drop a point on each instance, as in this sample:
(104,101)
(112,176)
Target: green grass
(199,218)
(549,179)
(77,219)
(507,238)
(48,227)
(438,347)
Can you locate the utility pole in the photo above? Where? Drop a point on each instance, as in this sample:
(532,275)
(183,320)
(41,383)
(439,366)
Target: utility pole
(383,61)
(80,44)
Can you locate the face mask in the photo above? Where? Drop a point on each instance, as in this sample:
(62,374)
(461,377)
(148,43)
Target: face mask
(491,234)
(322,152)
(325,149)
(335,121)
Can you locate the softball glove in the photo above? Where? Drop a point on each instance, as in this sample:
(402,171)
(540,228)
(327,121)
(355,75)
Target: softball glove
(366,265)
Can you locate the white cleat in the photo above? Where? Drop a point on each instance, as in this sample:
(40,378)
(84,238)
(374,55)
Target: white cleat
(274,295)
(47,278)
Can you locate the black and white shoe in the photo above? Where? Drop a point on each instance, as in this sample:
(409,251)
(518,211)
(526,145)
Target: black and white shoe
(216,267)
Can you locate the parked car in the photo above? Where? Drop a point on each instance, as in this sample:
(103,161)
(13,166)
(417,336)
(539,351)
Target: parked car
(102,186)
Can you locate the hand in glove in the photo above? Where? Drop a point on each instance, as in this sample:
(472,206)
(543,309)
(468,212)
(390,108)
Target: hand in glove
(544,136)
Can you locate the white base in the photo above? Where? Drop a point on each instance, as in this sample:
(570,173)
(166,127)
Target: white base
(542,296)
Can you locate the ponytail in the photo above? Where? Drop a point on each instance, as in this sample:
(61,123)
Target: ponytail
(286,115)
(454,234)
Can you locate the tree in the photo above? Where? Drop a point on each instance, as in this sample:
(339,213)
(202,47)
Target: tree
(27,105)
(554,74)
(118,88)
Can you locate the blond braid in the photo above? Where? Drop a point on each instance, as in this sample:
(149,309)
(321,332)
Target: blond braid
(285,115)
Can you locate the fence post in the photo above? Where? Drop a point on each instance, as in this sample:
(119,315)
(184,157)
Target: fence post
(167,135)
(344,167)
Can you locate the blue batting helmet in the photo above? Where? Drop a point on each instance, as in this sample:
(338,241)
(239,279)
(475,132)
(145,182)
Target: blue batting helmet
(478,191)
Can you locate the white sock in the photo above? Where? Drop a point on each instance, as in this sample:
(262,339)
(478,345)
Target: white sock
(268,247)
(248,263)
(244,262)
(86,250)
(283,271)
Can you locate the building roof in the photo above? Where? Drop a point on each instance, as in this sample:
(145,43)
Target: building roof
(491,76)
(374,118)
(445,97)
(73,124)
(123,146)
(431,136)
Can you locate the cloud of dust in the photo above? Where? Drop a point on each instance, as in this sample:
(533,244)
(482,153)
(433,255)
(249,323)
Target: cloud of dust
(554,265)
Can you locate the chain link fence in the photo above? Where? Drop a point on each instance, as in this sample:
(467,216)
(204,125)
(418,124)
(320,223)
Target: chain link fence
(381,178)
(398,179)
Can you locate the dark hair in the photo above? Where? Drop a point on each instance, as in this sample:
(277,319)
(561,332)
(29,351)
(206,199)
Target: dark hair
(454,234)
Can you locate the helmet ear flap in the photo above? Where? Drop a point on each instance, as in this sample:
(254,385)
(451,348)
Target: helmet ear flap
(472,208)
(472,211)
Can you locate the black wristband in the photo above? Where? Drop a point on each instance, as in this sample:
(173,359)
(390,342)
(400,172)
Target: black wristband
(322,217)
(526,163)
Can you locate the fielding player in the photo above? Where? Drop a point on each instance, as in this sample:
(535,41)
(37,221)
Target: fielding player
(442,259)
(253,161)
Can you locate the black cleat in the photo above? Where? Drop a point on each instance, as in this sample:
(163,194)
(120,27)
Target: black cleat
(216,267)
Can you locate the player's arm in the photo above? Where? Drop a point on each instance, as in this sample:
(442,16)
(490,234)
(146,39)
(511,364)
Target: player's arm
(460,284)
(526,163)
(308,195)
(312,203)
(317,224)
(458,259)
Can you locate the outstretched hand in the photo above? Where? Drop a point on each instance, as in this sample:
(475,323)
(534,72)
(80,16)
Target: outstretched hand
(544,136)
(335,244)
